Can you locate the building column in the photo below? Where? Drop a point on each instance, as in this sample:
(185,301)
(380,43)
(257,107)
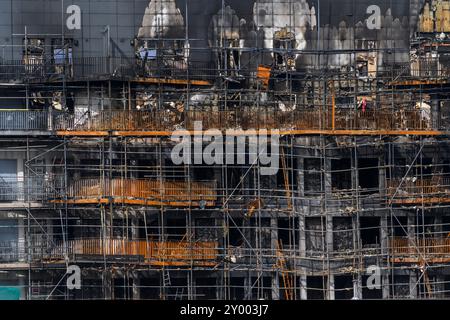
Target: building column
(108,284)
(275,286)
(248,287)
(382,175)
(330,291)
(302,252)
(440,287)
(134,228)
(21,241)
(413,286)
(301,225)
(274,244)
(438,230)
(357,282)
(329,242)
(385,284)
(357,287)
(411,229)
(385,254)
(327,177)
(301,176)
(329,224)
(435,112)
(136,285)
(303,287)
(20,180)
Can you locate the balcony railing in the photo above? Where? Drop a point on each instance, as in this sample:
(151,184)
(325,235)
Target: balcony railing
(45,68)
(145,192)
(20,189)
(96,67)
(420,249)
(24,120)
(298,120)
(412,190)
(9,251)
(155,253)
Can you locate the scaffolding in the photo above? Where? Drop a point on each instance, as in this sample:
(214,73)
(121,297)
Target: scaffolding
(364,177)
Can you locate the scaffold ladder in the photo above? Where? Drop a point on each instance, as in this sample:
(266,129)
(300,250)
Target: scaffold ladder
(288,282)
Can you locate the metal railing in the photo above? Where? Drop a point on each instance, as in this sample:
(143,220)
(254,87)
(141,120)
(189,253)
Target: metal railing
(402,246)
(170,192)
(9,251)
(24,120)
(23,189)
(155,253)
(173,66)
(167,120)
(436,186)
(94,67)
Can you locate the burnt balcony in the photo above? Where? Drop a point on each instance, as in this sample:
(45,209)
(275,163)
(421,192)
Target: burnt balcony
(431,250)
(141,192)
(46,69)
(414,191)
(307,121)
(168,253)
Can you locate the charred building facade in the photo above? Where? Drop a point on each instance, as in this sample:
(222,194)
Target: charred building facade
(349,104)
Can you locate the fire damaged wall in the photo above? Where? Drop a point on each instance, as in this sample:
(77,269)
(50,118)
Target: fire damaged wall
(106,27)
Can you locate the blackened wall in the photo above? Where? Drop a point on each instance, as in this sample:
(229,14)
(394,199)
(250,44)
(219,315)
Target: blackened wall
(328,25)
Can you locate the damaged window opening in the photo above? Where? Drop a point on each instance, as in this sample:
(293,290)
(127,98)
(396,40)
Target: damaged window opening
(341,174)
(343,234)
(150,288)
(400,288)
(368,176)
(153,229)
(370,231)
(424,167)
(203,173)
(177,285)
(122,288)
(235,179)
(174,172)
(343,286)
(446,226)
(315,235)
(262,290)
(62,56)
(34,55)
(313,177)
(400,226)
(235,232)
(175,229)
(237,289)
(287,231)
(316,287)
(398,169)
(205,229)
(425,226)
(205,288)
